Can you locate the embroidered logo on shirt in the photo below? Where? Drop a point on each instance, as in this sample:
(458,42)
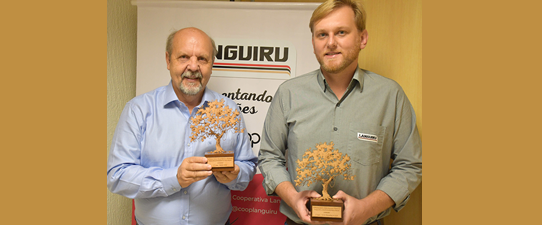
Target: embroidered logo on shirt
(367,137)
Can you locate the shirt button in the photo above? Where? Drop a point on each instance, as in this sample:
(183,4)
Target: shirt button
(335,129)
(188,144)
(174,189)
(185,192)
(184,217)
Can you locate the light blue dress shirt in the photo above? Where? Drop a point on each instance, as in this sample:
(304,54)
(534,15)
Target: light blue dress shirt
(151,141)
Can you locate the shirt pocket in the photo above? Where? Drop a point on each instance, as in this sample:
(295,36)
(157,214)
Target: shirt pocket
(365,143)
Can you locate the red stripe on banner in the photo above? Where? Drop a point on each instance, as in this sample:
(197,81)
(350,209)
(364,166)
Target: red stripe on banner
(133,213)
(238,64)
(253,206)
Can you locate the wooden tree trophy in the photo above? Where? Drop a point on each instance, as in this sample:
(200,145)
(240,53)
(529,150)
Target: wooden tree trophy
(214,119)
(323,164)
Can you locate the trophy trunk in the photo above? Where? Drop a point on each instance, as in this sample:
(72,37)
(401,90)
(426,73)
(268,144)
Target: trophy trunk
(326,208)
(218,149)
(325,195)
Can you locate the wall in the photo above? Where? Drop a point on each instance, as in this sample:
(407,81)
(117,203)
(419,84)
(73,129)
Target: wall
(394,50)
(121,76)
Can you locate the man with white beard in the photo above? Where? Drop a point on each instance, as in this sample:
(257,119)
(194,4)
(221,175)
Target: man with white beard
(152,158)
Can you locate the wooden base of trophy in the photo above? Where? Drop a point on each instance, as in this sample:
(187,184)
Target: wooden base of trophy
(326,210)
(221,161)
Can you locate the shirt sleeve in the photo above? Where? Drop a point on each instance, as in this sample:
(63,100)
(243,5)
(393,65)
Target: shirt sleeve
(271,159)
(245,159)
(406,169)
(125,175)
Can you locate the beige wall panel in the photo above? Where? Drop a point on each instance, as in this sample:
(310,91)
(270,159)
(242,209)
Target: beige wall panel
(394,50)
(121,79)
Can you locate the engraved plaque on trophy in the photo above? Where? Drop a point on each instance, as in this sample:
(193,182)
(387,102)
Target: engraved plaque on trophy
(213,120)
(323,164)
(221,161)
(326,210)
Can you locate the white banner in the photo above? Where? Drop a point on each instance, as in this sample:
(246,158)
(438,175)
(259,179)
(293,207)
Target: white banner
(256,23)
(249,72)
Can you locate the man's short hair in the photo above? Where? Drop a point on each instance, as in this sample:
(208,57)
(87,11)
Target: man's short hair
(325,8)
(169,44)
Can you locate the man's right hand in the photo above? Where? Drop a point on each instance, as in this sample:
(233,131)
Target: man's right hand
(193,169)
(297,200)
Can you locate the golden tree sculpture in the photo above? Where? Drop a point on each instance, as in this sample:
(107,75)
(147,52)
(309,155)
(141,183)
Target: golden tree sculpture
(214,119)
(322,164)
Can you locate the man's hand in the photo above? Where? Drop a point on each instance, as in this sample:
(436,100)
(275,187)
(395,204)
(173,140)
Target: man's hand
(299,204)
(193,169)
(297,200)
(226,176)
(360,210)
(354,210)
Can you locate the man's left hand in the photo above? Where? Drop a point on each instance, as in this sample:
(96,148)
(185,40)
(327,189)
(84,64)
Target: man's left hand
(226,176)
(354,209)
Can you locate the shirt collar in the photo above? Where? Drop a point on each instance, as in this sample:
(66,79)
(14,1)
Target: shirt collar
(207,97)
(169,95)
(359,74)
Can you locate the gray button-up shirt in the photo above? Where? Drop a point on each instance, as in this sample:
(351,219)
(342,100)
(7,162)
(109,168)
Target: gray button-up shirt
(373,123)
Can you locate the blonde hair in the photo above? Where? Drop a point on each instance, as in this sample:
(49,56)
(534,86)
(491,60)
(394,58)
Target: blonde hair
(328,6)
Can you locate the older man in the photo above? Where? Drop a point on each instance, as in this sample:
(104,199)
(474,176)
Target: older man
(152,157)
(343,104)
